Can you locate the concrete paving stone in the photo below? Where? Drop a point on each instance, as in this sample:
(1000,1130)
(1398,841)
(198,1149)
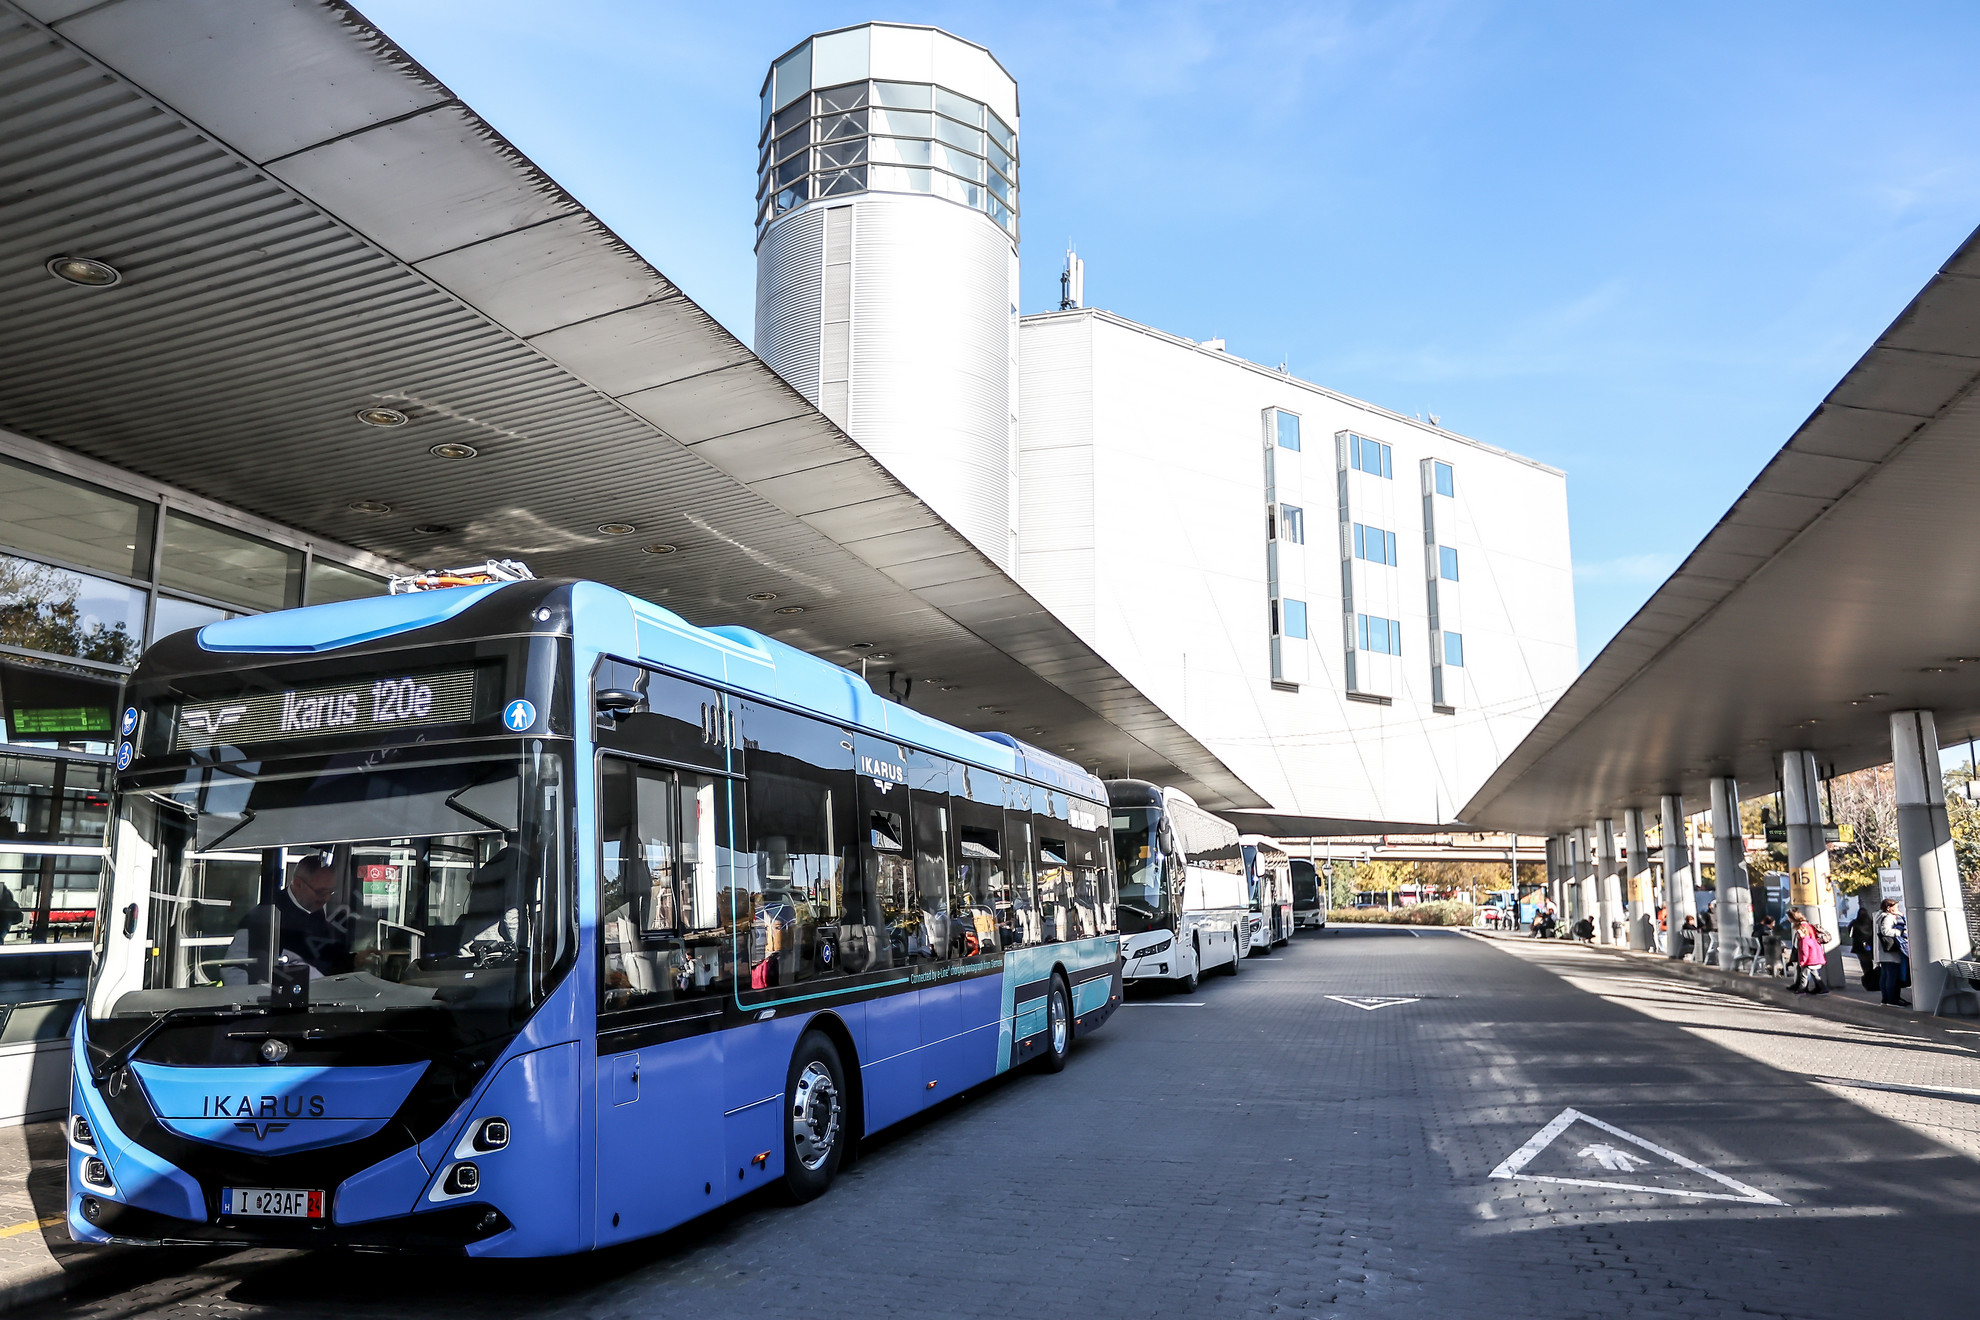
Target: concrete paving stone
(1279,1154)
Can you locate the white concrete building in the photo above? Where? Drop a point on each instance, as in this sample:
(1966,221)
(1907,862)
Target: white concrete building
(1360,613)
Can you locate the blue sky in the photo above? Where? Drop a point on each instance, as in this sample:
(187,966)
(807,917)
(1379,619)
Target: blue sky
(1638,243)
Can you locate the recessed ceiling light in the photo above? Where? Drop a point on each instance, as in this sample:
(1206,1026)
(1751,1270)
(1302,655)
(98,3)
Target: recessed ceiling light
(369,506)
(1875,696)
(616,529)
(881,655)
(790,609)
(952,687)
(1935,669)
(432,529)
(989,708)
(862,646)
(451,450)
(657,548)
(1070,748)
(381,417)
(762,597)
(86,271)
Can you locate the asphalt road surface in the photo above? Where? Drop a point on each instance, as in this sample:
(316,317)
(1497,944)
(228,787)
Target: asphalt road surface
(1372,1121)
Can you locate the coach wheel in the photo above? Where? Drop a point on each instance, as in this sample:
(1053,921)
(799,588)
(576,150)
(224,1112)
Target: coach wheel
(1240,949)
(1058,1026)
(1189,979)
(815,1126)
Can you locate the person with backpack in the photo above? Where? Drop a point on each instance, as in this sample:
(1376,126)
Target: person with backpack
(1893,953)
(1862,943)
(1811,956)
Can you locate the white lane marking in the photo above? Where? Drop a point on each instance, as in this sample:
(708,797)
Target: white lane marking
(1369,1003)
(1567,1118)
(1165,1003)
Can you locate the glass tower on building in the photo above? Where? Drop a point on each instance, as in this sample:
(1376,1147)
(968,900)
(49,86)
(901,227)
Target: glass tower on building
(886,258)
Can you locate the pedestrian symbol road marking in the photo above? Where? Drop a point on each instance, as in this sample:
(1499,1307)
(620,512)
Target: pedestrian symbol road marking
(1370,1003)
(1609,1157)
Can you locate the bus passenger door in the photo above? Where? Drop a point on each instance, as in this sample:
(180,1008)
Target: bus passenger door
(665,977)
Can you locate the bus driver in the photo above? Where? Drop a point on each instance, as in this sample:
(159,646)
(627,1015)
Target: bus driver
(308,934)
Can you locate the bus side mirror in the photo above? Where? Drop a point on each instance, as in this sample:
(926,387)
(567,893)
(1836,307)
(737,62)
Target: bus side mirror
(617,703)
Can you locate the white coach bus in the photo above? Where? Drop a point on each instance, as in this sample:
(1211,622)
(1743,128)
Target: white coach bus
(1182,904)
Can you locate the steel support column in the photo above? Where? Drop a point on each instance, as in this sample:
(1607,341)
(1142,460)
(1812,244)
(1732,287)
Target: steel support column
(1642,902)
(1584,876)
(1677,875)
(1934,916)
(1608,883)
(1730,889)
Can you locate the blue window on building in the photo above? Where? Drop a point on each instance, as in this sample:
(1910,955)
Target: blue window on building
(1295,618)
(1289,431)
(1454,650)
(1447,563)
(1375,545)
(1374,633)
(1445,481)
(1370,456)
(1292,524)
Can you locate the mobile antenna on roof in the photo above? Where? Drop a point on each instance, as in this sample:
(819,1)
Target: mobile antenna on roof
(1072,281)
(472,575)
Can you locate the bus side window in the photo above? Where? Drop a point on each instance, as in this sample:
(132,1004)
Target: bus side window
(980,898)
(1086,884)
(1024,903)
(889,893)
(931,870)
(790,900)
(1054,882)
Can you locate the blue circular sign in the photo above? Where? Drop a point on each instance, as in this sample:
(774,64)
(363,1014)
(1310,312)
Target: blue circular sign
(519,715)
(129,723)
(124,754)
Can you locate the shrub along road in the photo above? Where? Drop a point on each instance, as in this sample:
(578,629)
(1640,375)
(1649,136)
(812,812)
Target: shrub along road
(1320,1137)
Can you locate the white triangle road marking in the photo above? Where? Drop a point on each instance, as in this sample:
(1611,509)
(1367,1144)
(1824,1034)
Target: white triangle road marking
(1369,1003)
(1608,1157)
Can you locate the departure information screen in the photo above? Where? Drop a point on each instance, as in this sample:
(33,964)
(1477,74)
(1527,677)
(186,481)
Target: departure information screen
(408,701)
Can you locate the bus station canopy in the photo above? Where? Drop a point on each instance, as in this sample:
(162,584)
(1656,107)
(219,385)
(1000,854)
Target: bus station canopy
(308,224)
(1843,586)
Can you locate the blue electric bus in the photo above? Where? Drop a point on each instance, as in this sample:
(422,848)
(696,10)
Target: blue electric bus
(525,918)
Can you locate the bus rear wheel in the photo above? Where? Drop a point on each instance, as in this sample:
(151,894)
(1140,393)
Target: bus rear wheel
(1058,1027)
(815,1122)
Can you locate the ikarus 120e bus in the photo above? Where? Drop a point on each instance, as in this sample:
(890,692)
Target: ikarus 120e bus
(1184,907)
(523,918)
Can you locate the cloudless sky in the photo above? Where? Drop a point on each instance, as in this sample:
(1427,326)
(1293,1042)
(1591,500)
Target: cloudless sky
(1639,243)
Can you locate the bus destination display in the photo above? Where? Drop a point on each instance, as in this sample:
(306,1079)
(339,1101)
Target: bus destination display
(304,712)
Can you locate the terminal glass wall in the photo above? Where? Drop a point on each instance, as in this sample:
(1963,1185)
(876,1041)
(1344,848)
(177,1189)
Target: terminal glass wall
(90,574)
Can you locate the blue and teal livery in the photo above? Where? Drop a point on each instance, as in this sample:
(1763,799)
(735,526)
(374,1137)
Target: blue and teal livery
(524,919)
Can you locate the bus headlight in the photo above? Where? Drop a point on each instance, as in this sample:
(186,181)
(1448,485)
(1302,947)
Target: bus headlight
(96,1176)
(462,1180)
(80,1132)
(1160,946)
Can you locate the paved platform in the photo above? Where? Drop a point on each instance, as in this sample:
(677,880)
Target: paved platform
(1371,1122)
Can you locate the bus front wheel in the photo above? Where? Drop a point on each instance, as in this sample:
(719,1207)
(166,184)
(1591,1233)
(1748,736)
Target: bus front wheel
(815,1123)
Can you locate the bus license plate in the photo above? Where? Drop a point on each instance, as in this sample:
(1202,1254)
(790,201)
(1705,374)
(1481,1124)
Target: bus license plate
(271,1202)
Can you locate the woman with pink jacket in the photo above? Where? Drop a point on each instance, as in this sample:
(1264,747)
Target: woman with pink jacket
(1811,956)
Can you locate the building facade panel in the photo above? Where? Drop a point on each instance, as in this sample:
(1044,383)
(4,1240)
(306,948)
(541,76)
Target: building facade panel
(1186,569)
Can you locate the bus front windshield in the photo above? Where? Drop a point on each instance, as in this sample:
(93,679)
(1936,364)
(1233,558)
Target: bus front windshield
(353,887)
(1138,857)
